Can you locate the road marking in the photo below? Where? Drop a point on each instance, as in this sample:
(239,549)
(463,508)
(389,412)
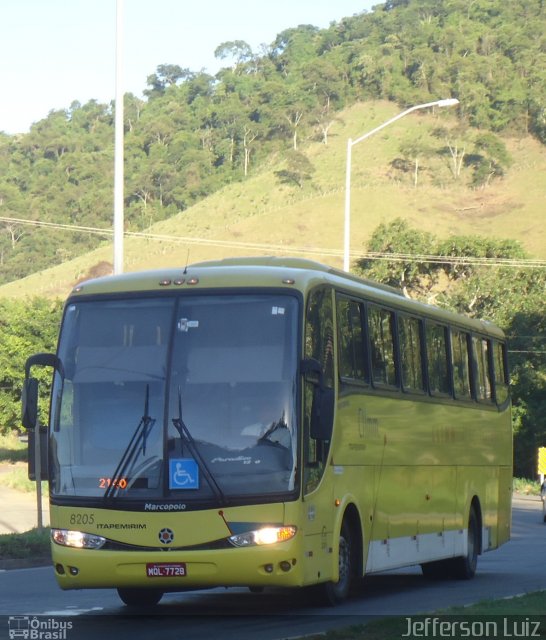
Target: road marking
(69,611)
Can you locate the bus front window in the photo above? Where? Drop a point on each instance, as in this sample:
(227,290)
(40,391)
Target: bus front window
(224,366)
(115,360)
(233,388)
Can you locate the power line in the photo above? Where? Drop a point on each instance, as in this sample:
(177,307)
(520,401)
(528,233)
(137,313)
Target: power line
(456,260)
(316,251)
(523,351)
(58,225)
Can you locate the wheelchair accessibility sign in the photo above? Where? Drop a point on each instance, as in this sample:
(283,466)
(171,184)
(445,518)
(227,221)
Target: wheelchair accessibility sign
(183,474)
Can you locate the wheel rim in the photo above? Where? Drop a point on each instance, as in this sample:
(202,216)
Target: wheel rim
(472,554)
(344,560)
(471,544)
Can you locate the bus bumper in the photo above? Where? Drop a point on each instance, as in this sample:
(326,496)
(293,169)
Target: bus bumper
(260,566)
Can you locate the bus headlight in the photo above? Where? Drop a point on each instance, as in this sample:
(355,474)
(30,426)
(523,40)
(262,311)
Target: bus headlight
(266,535)
(78,539)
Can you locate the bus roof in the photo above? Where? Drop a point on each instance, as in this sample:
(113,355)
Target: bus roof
(270,271)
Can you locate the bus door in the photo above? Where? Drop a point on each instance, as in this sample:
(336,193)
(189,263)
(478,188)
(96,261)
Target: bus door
(318,389)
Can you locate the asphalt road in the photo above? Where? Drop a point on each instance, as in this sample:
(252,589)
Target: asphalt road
(517,567)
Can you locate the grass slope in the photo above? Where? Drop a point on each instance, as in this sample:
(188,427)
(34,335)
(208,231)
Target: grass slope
(262,217)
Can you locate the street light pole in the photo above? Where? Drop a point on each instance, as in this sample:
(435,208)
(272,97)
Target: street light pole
(449,102)
(118,145)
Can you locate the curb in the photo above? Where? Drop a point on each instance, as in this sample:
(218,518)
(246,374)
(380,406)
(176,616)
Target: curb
(8,564)
(527,496)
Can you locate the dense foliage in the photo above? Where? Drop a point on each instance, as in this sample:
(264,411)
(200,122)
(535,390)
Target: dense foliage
(509,296)
(194,132)
(25,329)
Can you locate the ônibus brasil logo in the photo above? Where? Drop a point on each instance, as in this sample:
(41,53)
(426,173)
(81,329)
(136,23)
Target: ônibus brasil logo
(33,628)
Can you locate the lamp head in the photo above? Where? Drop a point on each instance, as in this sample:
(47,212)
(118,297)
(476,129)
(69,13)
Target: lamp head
(448,102)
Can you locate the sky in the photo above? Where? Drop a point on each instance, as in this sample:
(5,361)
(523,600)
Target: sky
(53,52)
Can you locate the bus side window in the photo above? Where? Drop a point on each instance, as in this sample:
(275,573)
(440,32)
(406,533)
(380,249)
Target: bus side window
(500,372)
(381,325)
(461,365)
(319,332)
(437,363)
(483,376)
(352,361)
(411,363)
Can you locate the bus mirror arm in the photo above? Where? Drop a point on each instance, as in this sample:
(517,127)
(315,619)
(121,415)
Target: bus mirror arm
(44,360)
(322,410)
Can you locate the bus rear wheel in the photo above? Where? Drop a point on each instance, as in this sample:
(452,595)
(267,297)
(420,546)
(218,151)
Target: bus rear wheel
(465,566)
(140,597)
(436,570)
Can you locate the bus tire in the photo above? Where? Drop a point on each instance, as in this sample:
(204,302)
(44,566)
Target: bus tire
(464,567)
(140,597)
(436,570)
(336,592)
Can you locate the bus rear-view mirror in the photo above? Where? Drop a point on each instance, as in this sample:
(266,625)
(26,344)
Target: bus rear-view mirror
(29,400)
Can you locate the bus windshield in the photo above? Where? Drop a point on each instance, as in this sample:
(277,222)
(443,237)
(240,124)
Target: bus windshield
(183,399)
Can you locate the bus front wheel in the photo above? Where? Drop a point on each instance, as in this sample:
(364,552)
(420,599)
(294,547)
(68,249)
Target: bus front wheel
(336,592)
(140,597)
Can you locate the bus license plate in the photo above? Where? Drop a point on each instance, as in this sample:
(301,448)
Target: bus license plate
(166,569)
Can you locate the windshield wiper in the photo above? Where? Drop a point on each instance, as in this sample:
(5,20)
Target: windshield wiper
(130,455)
(186,437)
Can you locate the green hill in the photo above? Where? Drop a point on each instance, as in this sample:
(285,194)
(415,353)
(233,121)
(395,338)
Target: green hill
(262,215)
(251,135)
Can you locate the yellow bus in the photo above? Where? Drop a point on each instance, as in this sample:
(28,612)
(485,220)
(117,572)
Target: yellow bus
(267,422)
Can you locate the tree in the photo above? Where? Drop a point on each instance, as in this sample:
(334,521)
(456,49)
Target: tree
(25,328)
(403,271)
(415,149)
(324,123)
(456,141)
(292,48)
(238,50)
(527,334)
(293,106)
(133,107)
(11,206)
(489,160)
(15,230)
(474,247)
(250,134)
(166,75)
(323,78)
(298,170)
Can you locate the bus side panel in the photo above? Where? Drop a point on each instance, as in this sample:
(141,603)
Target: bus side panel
(422,463)
(317,525)
(505,505)
(485,471)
